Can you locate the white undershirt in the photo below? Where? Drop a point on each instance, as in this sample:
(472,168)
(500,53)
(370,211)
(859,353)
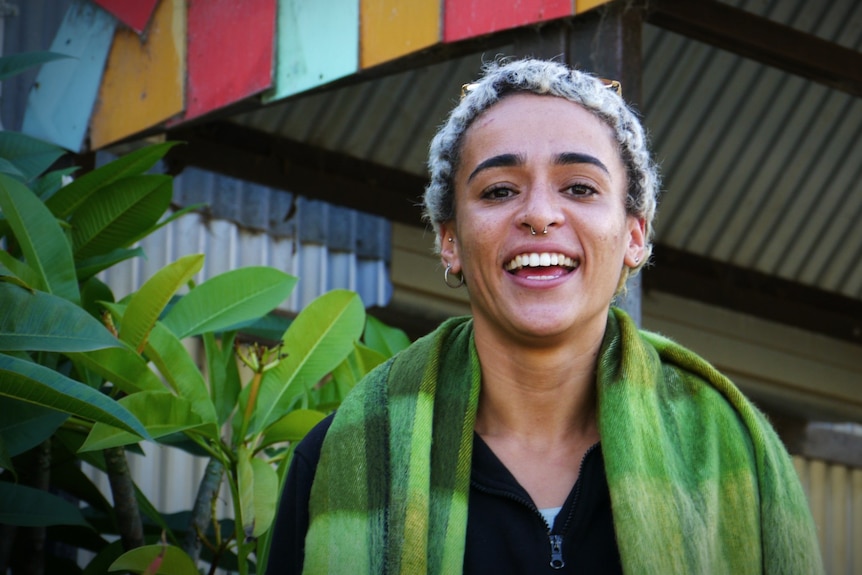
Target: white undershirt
(550,514)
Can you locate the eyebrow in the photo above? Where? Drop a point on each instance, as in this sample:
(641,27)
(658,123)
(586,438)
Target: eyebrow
(564,159)
(501,161)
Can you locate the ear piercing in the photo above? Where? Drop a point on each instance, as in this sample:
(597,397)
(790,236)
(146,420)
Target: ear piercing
(446,278)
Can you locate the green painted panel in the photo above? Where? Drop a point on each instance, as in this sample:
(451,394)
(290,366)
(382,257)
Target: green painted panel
(317,42)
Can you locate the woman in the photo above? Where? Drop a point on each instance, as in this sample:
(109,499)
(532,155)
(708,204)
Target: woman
(545,433)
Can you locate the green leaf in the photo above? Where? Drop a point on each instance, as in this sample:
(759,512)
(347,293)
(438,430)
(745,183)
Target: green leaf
(162,413)
(67,474)
(39,321)
(246,488)
(93,292)
(24,425)
(88,267)
(225,382)
(99,564)
(33,383)
(181,371)
(147,303)
(69,198)
(357,365)
(227,299)
(292,427)
(47,185)
(174,216)
(318,340)
(384,339)
(116,217)
(265,495)
(17,63)
(121,366)
(29,155)
(6,459)
(28,507)
(10,169)
(171,561)
(20,270)
(42,241)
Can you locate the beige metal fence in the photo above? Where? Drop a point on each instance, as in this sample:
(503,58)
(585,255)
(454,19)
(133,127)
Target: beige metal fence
(835,495)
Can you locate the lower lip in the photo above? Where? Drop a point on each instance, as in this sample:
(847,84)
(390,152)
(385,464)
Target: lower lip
(543,279)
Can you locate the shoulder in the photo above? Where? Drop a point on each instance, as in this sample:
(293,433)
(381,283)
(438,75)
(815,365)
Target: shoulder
(308,449)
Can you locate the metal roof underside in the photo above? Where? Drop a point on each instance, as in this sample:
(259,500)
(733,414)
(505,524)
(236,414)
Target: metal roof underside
(762,168)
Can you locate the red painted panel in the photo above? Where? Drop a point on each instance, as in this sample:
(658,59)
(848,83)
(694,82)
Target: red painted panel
(230,52)
(469,18)
(133,13)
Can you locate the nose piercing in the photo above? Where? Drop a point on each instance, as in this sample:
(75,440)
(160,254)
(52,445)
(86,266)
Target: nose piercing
(533,231)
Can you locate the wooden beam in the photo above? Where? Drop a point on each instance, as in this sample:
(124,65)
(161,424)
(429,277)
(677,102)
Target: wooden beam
(718,283)
(259,157)
(760,39)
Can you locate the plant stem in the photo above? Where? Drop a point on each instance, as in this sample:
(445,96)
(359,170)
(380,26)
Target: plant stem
(28,551)
(125,503)
(202,510)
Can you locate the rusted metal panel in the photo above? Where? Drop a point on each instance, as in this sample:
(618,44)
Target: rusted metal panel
(469,18)
(61,100)
(393,28)
(144,81)
(133,13)
(230,52)
(317,42)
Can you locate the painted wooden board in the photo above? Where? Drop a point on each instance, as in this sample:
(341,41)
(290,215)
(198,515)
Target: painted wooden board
(133,13)
(143,84)
(230,52)
(61,101)
(470,18)
(317,42)
(393,28)
(582,6)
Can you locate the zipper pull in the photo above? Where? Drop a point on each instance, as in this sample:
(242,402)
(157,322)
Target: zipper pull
(557,551)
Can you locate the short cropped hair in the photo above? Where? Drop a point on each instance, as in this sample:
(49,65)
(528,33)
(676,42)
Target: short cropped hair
(544,77)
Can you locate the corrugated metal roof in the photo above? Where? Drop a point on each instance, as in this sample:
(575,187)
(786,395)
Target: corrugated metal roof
(762,168)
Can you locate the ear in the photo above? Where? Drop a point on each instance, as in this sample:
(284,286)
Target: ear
(637,241)
(449,247)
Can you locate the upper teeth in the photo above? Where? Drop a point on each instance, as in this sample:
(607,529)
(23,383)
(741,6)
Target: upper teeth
(535,260)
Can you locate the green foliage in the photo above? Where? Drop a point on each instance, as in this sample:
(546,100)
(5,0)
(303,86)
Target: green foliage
(83,373)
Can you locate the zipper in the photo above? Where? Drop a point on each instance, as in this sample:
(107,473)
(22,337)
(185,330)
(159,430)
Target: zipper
(556,540)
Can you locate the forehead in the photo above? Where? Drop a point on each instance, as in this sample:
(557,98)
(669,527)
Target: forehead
(526,120)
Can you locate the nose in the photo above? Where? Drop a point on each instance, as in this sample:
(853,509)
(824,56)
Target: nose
(542,209)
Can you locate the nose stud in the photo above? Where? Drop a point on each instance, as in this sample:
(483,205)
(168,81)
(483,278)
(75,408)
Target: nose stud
(533,231)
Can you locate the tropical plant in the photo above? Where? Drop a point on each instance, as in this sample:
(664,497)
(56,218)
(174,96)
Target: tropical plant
(84,377)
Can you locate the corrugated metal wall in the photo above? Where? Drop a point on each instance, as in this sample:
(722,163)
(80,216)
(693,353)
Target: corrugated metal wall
(835,495)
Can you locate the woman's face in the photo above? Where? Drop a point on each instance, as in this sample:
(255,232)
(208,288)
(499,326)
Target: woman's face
(548,163)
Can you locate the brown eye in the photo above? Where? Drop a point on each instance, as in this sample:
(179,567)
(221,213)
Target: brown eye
(580,190)
(498,193)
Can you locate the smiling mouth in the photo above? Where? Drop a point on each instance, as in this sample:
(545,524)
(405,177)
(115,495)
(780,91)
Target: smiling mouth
(541,260)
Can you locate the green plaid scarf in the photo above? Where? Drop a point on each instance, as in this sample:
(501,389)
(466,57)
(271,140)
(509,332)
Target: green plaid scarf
(699,481)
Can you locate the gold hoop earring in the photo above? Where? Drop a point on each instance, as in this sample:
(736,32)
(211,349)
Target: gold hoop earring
(446,278)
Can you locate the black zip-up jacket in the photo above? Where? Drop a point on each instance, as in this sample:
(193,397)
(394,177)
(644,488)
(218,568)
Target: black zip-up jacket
(506,534)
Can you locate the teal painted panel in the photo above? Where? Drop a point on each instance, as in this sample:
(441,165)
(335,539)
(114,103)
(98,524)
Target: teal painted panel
(317,42)
(61,100)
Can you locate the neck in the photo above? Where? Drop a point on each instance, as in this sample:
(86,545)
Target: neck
(545,392)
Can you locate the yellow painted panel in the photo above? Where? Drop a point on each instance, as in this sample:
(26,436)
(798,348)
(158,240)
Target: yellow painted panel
(584,5)
(143,84)
(393,28)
